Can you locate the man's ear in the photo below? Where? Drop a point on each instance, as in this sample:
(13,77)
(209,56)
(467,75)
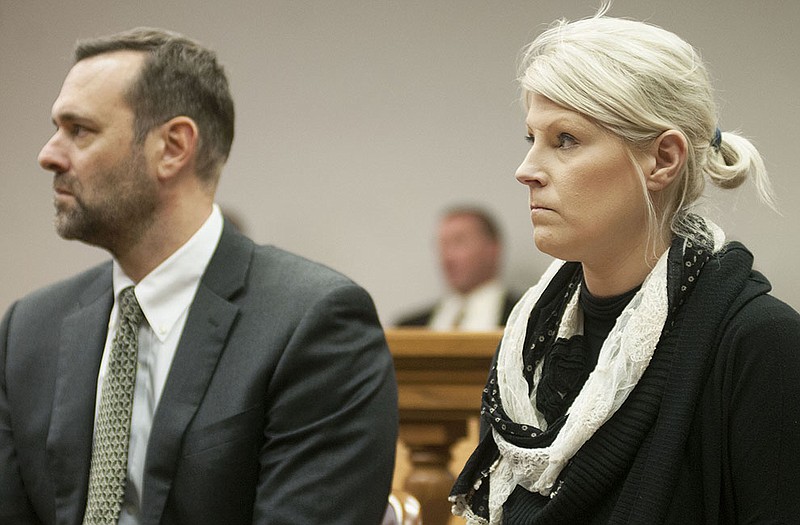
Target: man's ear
(669,152)
(179,138)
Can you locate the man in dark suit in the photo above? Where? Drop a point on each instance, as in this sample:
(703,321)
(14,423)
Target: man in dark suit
(470,252)
(264,391)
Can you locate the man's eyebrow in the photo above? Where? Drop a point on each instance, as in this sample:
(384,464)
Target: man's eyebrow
(69,116)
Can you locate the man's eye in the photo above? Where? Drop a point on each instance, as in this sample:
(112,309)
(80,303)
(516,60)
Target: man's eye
(78,130)
(529,138)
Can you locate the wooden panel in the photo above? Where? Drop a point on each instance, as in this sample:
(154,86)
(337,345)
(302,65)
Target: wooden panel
(440,397)
(440,377)
(411,342)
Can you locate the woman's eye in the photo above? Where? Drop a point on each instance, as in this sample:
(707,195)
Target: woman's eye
(529,138)
(565,140)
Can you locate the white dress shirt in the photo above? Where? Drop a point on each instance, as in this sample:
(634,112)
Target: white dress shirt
(164,295)
(478,310)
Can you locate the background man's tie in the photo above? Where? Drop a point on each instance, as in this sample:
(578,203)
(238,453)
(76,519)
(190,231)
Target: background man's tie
(112,428)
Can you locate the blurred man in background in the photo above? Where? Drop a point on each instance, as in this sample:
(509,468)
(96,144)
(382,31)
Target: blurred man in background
(470,252)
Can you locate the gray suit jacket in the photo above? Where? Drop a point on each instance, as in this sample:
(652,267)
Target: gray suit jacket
(280,406)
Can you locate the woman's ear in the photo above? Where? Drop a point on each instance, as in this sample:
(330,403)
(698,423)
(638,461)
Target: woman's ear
(669,152)
(179,139)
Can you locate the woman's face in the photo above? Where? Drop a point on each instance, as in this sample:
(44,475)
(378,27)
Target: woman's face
(586,198)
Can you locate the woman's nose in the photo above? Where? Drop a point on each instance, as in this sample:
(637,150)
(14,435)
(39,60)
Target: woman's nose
(529,172)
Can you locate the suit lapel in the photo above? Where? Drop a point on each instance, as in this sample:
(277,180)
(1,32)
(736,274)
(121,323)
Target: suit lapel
(69,439)
(211,316)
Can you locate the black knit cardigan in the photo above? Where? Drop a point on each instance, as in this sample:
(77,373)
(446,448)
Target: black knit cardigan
(710,434)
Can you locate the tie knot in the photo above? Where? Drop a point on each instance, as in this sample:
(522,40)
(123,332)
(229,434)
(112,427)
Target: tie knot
(129,306)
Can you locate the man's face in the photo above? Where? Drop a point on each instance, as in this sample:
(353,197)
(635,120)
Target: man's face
(105,193)
(469,256)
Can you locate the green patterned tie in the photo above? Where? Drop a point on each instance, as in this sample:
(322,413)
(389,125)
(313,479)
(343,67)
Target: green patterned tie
(112,429)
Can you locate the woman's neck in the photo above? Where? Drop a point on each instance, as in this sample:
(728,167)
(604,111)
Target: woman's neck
(620,273)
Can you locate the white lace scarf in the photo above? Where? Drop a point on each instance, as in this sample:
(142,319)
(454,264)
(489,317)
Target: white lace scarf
(623,358)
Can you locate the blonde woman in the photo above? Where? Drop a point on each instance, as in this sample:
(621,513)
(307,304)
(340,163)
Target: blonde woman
(649,377)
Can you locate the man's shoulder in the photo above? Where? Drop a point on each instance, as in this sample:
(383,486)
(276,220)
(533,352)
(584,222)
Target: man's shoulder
(70,286)
(286,265)
(286,286)
(277,282)
(416,318)
(240,261)
(62,296)
(512,296)
(288,278)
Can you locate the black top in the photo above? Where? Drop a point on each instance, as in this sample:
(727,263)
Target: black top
(568,363)
(599,316)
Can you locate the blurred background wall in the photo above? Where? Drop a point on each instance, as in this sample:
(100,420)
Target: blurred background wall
(359,120)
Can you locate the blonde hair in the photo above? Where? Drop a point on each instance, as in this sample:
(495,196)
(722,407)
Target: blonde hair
(637,80)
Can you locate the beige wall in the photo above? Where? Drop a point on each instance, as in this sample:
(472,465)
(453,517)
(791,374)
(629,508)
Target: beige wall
(359,120)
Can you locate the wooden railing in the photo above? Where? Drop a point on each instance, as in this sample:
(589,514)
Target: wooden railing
(440,376)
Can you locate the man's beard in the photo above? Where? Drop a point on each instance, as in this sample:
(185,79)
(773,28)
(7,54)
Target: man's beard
(125,199)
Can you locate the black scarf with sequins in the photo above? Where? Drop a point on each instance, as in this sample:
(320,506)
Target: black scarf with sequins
(608,474)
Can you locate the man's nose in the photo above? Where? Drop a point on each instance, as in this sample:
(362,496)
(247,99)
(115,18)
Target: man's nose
(53,157)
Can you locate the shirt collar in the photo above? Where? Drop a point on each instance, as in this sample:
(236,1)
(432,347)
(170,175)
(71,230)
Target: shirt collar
(455,301)
(166,292)
(488,289)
